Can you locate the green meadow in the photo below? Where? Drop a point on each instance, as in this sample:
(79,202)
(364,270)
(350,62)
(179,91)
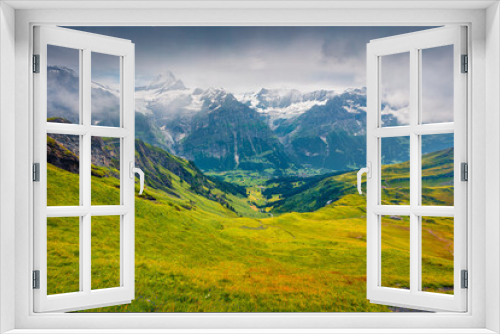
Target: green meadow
(287,252)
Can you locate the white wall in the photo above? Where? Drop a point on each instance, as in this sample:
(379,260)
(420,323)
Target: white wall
(279,17)
(7,158)
(492,165)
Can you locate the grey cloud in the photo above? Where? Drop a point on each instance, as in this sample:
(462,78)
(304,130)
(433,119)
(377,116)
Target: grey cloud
(105,108)
(63,98)
(342,51)
(437,84)
(242,59)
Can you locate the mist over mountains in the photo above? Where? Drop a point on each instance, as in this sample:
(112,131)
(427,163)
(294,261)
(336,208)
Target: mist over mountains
(272,129)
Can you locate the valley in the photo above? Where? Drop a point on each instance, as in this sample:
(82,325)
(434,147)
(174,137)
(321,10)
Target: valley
(250,202)
(201,245)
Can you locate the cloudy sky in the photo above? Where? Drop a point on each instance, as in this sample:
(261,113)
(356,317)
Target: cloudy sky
(242,59)
(246,59)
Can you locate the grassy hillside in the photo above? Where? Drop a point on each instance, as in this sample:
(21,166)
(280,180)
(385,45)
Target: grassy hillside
(309,194)
(192,258)
(193,254)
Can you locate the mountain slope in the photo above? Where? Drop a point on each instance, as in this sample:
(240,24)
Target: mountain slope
(316,130)
(310,194)
(228,135)
(328,136)
(202,258)
(172,175)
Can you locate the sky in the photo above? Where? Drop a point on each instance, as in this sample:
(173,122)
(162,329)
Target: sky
(244,59)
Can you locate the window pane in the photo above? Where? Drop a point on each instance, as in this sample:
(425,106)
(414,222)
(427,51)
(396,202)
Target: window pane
(395,171)
(437,84)
(395,251)
(105,171)
(105,252)
(63,255)
(395,89)
(437,254)
(105,90)
(63,170)
(63,84)
(437,169)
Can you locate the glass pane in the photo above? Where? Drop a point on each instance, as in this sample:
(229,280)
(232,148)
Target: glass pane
(105,252)
(437,254)
(395,251)
(63,84)
(395,171)
(105,90)
(105,180)
(437,84)
(395,89)
(63,255)
(63,170)
(437,169)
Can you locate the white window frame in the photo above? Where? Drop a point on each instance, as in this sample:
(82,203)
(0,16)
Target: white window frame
(86,44)
(484,308)
(413,44)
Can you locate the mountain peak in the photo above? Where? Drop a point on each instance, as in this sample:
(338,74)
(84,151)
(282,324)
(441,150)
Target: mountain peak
(215,97)
(163,82)
(280,92)
(359,91)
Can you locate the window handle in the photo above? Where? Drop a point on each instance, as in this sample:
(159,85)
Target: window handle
(368,171)
(133,171)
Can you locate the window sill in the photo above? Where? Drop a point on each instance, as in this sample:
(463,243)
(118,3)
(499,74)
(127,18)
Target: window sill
(252,331)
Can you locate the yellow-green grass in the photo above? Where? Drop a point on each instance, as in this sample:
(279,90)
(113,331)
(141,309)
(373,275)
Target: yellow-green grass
(105,252)
(63,251)
(437,254)
(395,231)
(437,232)
(194,255)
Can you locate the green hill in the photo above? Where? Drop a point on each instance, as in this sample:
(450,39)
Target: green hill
(203,259)
(309,194)
(173,175)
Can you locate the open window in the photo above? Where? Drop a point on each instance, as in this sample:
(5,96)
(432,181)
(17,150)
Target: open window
(423,74)
(70,133)
(416,129)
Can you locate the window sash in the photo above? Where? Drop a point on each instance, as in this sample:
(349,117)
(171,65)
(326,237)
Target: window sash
(412,43)
(87,43)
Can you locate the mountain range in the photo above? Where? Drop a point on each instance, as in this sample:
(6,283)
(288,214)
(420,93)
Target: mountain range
(272,129)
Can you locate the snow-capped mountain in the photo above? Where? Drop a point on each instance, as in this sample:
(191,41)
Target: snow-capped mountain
(228,135)
(163,82)
(179,116)
(267,129)
(331,135)
(167,98)
(278,104)
(164,96)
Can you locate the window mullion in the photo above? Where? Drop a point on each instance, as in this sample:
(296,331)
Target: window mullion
(85,175)
(81,179)
(415,183)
